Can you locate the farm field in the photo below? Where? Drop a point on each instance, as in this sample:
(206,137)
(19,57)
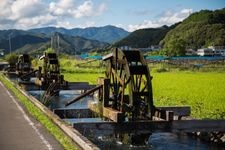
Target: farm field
(203,91)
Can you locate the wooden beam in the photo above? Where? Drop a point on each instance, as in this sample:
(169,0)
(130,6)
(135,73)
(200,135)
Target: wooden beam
(83,95)
(73,113)
(107,112)
(178,111)
(107,128)
(80,86)
(113,114)
(142,127)
(198,125)
(94,107)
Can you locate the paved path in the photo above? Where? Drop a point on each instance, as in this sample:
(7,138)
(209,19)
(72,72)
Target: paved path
(18,131)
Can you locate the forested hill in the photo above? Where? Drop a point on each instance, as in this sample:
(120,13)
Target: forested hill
(144,37)
(108,34)
(27,42)
(202,28)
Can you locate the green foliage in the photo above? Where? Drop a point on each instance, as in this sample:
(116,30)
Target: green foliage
(144,37)
(49,50)
(175,47)
(11,58)
(203,28)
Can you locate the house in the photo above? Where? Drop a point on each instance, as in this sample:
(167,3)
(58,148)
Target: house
(190,52)
(125,47)
(218,50)
(155,47)
(205,52)
(2,52)
(150,48)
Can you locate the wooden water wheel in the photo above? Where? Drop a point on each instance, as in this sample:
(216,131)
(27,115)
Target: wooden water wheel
(130,84)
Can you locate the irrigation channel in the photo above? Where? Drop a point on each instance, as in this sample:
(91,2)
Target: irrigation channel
(101,117)
(156,140)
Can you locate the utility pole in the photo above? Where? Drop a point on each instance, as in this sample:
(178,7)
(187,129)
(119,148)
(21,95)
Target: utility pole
(58,42)
(51,41)
(10,47)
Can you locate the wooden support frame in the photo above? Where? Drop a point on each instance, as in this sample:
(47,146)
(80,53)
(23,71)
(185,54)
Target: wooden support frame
(105,82)
(80,86)
(144,127)
(178,110)
(73,113)
(161,113)
(107,112)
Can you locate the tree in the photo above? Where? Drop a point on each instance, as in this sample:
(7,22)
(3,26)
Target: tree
(175,47)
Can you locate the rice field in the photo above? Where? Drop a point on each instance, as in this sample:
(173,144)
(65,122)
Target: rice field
(203,91)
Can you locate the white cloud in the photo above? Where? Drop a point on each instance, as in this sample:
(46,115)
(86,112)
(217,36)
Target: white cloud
(69,8)
(84,10)
(24,14)
(37,21)
(27,9)
(168,18)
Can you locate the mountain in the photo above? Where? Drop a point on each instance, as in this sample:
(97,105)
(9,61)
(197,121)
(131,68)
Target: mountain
(108,34)
(200,29)
(19,38)
(71,44)
(143,38)
(28,42)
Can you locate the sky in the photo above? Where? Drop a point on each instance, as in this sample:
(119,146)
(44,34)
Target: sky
(127,14)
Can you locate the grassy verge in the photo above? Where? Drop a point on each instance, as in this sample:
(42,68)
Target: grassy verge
(63,139)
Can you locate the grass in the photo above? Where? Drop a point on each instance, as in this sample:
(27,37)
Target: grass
(86,66)
(203,91)
(63,139)
(83,77)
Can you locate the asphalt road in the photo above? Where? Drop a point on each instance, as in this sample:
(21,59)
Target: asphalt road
(19,131)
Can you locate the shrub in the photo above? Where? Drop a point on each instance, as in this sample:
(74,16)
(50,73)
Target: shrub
(11,58)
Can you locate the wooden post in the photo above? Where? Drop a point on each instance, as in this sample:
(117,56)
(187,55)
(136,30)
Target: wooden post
(105,92)
(169,115)
(106,89)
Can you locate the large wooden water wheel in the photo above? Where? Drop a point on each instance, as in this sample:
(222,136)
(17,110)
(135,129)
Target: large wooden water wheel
(130,84)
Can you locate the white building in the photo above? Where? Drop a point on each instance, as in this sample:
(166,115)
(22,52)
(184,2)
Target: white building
(125,47)
(155,47)
(205,52)
(2,52)
(218,50)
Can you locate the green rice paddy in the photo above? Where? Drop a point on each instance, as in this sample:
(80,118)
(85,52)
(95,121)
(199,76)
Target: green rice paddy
(203,91)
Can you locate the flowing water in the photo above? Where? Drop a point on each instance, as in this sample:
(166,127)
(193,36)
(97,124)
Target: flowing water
(157,141)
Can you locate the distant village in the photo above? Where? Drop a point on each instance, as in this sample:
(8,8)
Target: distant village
(209,51)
